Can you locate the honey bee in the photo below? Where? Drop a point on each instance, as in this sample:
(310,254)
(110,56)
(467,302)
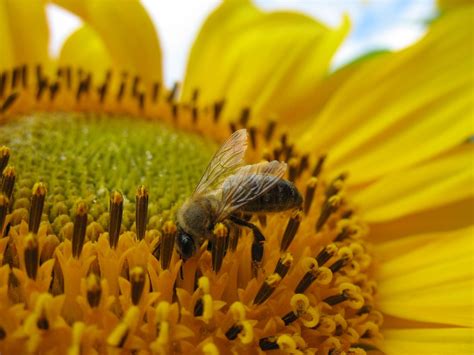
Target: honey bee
(228,189)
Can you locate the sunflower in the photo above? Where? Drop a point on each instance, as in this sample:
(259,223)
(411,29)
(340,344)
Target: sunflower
(97,156)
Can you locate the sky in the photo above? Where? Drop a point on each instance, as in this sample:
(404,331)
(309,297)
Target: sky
(376,24)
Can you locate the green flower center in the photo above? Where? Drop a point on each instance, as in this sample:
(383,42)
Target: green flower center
(87,156)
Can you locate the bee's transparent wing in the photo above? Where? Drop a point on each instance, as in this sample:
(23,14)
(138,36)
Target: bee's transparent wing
(224,163)
(248,183)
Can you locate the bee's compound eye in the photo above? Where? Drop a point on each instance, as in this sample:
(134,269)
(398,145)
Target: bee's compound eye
(185,245)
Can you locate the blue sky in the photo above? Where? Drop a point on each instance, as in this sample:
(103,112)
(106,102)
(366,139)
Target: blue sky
(376,24)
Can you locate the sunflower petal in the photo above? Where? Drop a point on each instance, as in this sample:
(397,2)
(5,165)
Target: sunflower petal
(390,113)
(19,43)
(442,181)
(428,341)
(85,49)
(431,281)
(272,62)
(127,32)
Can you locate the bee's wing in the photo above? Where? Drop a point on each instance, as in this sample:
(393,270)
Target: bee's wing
(224,163)
(248,183)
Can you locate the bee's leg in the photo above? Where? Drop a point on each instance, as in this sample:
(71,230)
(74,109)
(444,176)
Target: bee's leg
(257,245)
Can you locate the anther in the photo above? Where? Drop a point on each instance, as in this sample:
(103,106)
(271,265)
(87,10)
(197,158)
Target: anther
(16,73)
(336,299)
(4,157)
(94,290)
(136,82)
(329,207)
(37,204)
(270,130)
(8,181)
(167,244)
(155,90)
(267,288)
(244,117)
(31,255)
(53,90)
(172,94)
(326,253)
(338,265)
(305,282)
(3,333)
(198,308)
(137,280)
(79,232)
(141,211)
(319,165)
(268,343)
(233,332)
(253,136)
(293,167)
(9,101)
(102,89)
(24,76)
(217,110)
(122,87)
(3,83)
(291,229)
(220,234)
(84,86)
(4,203)
(116,209)
(304,164)
(336,185)
(289,318)
(284,264)
(309,194)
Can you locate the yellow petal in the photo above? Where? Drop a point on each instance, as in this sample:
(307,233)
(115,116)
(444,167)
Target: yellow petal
(429,279)
(401,108)
(272,62)
(85,49)
(126,31)
(448,217)
(23,33)
(457,341)
(439,182)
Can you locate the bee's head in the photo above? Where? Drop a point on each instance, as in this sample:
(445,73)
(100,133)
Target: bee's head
(185,244)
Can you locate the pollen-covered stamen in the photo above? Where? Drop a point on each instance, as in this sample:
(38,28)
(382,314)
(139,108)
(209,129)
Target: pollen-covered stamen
(326,253)
(137,279)
(77,332)
(94,290)
(301,309)
(8,181)
(116,210)
(321,274)
(220,237)
(284,264)
(141,211)
(37,204)
(309,194)
(291,229)
(119,335)
(31,255)
(204,304)
(267,288)
(4,157)
(329,207)
(242,327)
(167,244)
(336,185)
(4,204)
(162,326)
(345,256)
(79,232)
